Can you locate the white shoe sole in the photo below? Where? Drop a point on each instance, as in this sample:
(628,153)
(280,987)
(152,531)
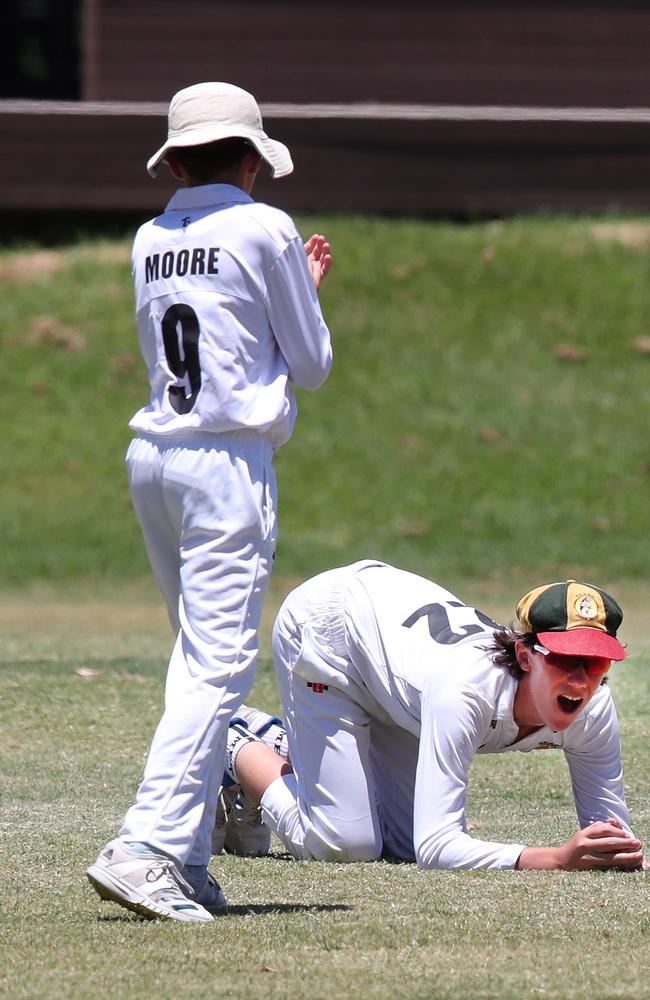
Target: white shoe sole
(110,888)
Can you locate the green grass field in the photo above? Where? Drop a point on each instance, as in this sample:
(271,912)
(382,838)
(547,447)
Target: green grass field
(486,424)
(75,722)
(486,411)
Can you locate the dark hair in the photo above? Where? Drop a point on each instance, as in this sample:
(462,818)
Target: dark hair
(206,162)
(503,652)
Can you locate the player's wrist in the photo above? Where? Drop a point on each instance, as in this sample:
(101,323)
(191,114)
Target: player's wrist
(541,859)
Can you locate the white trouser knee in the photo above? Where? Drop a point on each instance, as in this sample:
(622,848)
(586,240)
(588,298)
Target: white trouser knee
(307,839)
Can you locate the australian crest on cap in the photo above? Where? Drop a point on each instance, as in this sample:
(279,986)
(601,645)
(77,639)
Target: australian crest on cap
(586,607)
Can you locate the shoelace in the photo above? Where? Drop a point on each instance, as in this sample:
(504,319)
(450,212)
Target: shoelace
(161,870)
(244,810)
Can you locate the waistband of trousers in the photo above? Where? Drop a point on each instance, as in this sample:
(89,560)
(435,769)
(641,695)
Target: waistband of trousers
(249,440)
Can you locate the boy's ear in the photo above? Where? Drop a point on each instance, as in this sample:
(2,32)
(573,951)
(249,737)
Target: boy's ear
(173,165)
(253,161)
(522,652)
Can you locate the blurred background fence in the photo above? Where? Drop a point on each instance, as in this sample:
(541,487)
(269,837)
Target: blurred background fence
(445,108)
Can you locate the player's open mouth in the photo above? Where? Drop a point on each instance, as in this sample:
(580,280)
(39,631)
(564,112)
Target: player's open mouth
(569,705)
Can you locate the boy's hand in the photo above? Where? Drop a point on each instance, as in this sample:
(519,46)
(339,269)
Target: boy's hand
(602,845)
(319,257)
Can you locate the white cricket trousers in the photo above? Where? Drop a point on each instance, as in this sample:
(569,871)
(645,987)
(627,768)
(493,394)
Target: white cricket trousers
(327,809)
(206,504)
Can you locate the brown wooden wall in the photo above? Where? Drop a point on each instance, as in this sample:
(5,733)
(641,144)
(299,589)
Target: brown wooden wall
(583,52)
(62,164)
(74,164)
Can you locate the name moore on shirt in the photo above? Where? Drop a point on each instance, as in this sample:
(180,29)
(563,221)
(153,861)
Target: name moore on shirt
(197,261)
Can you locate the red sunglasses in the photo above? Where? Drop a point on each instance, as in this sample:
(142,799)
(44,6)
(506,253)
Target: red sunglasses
(595,666)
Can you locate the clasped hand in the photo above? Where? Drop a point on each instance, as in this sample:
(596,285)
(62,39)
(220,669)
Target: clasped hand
(319,257)
(602,845)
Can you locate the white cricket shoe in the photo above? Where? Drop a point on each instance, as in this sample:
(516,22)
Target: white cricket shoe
(246,832)
(226,801)
(150,884)
(239,827)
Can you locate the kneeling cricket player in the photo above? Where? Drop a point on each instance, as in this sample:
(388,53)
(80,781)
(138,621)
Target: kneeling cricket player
(390,687)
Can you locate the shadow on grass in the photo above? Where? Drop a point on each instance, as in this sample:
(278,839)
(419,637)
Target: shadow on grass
(262,908)
(234,911)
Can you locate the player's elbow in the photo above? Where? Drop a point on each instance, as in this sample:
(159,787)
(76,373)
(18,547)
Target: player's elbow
(434,851)
(311,378)
(426,858)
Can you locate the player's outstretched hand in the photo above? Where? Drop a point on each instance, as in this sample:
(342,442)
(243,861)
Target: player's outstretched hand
(319,257)
(602,845)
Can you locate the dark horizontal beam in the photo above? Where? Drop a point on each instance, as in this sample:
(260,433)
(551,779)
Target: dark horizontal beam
(422,160)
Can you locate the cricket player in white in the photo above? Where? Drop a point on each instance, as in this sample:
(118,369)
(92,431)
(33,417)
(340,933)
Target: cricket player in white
(229,320)
(391,685)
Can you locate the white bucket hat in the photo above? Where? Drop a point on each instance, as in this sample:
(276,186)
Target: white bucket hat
(207,112)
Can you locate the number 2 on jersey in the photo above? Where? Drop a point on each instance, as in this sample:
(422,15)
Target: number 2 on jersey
(180,329)
(440,628)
